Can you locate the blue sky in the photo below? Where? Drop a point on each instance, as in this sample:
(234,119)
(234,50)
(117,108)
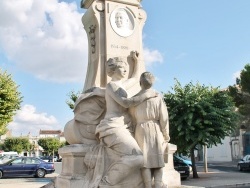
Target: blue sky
(44,46)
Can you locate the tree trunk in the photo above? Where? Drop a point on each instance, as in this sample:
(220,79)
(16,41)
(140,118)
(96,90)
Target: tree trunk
(195,174)
(53,156)
(205,159)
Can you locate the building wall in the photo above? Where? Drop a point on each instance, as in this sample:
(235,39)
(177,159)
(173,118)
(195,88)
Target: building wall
(220,152)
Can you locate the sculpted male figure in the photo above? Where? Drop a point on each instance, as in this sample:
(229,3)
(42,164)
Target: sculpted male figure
(121,19)
(151,133)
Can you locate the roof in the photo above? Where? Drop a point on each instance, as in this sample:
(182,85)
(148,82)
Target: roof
(50,132)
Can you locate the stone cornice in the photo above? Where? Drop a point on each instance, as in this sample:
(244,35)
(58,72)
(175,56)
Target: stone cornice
(86,3)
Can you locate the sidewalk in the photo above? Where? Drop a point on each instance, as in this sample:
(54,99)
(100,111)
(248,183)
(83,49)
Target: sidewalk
(27,182)
(219,178)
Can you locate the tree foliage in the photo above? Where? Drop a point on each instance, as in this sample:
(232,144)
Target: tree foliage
(241,95)
(72,99)
(10,100)
(199,115)
(17,144)
(49,145)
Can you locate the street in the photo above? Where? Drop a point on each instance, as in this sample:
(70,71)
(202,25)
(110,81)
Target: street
(220,175)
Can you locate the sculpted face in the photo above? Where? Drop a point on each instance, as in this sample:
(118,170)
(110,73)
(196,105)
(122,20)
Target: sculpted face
(121,19)
(116,68)
(120,71)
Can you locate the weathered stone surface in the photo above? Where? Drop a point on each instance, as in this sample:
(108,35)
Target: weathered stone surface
(117,124)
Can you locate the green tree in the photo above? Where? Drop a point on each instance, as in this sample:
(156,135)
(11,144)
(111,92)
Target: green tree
(199,115)
(50,145)
(17,144)
(72,99)
(10,100)
(241,95)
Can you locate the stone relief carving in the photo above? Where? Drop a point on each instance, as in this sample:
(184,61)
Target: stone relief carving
(122,22)
(92,38)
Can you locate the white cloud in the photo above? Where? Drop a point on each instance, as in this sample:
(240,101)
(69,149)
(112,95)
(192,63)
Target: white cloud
(152,56)
(45,38)
(28,120)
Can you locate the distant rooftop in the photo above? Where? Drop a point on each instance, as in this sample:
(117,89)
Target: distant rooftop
(50,132)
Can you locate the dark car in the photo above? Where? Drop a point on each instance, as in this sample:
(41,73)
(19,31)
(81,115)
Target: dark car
(26,166)
(182,168)
(185,160)
(244,164)
(46,158)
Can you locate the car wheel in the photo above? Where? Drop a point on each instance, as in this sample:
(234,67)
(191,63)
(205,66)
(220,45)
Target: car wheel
(240,168)
(184,178)
(40,173)
(1,174)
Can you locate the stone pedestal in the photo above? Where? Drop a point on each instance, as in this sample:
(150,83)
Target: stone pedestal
(74,170)
(73,167)
(106,40)
(170,176)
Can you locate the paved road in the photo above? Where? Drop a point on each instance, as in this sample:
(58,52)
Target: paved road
(25,182)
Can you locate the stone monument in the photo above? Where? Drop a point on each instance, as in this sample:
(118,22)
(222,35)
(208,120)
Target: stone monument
(106,148)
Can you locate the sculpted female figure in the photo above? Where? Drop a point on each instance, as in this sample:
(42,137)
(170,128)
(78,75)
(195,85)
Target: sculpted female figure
(113,130)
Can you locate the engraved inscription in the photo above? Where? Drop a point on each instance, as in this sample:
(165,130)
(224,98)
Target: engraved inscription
(119,47)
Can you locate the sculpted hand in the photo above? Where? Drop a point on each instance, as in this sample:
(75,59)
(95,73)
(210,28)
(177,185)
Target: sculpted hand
(135,55)
(151,94)
(166,137)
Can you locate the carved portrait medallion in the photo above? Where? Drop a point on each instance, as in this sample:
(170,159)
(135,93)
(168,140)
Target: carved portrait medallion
(122,22)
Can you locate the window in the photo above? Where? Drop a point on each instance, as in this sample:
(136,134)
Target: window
(18,161)
(32,161)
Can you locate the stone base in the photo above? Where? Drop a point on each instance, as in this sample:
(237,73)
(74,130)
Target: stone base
(74,170)
(170,176)
(63,181)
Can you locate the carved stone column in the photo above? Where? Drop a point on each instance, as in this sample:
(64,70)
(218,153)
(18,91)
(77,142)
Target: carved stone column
(108,39)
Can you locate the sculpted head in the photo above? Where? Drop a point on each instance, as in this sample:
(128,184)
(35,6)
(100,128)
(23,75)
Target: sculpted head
(115,63)
(121,19)
(147,80)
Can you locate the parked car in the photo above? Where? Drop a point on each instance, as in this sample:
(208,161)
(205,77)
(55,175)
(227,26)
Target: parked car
(244,163)
(26,166)
(48,158)
(182,168)
(185,160)
(5,158)
(8,153)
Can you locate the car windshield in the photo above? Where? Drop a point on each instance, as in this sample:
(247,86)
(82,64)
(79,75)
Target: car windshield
(246,158)
(8,161)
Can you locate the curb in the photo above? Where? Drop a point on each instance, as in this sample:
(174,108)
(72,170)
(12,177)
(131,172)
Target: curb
(247,184)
